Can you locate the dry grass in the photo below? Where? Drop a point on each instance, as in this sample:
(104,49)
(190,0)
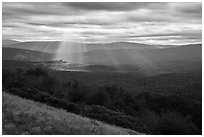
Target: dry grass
(21,116)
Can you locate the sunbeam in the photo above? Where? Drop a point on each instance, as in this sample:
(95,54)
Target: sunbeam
(142,60)
(70,49)
(112,59)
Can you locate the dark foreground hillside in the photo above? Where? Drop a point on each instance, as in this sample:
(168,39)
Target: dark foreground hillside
(25,117)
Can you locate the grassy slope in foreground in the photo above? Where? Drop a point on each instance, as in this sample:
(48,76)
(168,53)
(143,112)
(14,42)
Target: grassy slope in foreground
(21,116)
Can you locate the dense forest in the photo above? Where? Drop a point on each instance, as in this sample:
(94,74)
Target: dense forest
(162,104)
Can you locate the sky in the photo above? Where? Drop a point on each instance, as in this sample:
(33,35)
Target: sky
(104,22)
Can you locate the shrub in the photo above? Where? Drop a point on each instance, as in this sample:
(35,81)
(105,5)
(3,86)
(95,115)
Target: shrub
(55,102)
(6,77)
(78,93)
(44,97)
(150,119)
(41,97)
(36,72)
(19,70)
(98,98)
(172,123)
(179,104)
(48,84)
(14,91)
(116,118)
(74,108)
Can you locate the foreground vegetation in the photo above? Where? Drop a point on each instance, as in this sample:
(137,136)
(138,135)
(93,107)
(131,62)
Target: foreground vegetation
(21,116)
(159,106)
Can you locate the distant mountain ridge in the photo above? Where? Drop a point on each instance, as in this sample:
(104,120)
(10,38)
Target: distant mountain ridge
(188,52)
(25,55)
(8,42)
(67,47)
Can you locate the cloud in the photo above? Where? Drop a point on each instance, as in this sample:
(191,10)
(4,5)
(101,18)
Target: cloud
(188,8)
(107,6)
(104,21)
(115,6)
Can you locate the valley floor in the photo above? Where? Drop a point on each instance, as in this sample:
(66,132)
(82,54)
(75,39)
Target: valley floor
(22,116)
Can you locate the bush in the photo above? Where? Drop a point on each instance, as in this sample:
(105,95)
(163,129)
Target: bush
(184,106)
(22,92)
(150,119)
(116,118)
(55,102)
(14,91)
(41,97)
(77,93)
(48,84)
(44,97)
(36,72)
(6,78)
(74,108)
(172,123)
(98,98)
(19,71)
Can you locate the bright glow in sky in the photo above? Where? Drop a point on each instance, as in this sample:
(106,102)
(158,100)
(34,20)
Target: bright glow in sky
(150,23)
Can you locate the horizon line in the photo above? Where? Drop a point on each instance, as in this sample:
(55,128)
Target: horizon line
(103,42)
